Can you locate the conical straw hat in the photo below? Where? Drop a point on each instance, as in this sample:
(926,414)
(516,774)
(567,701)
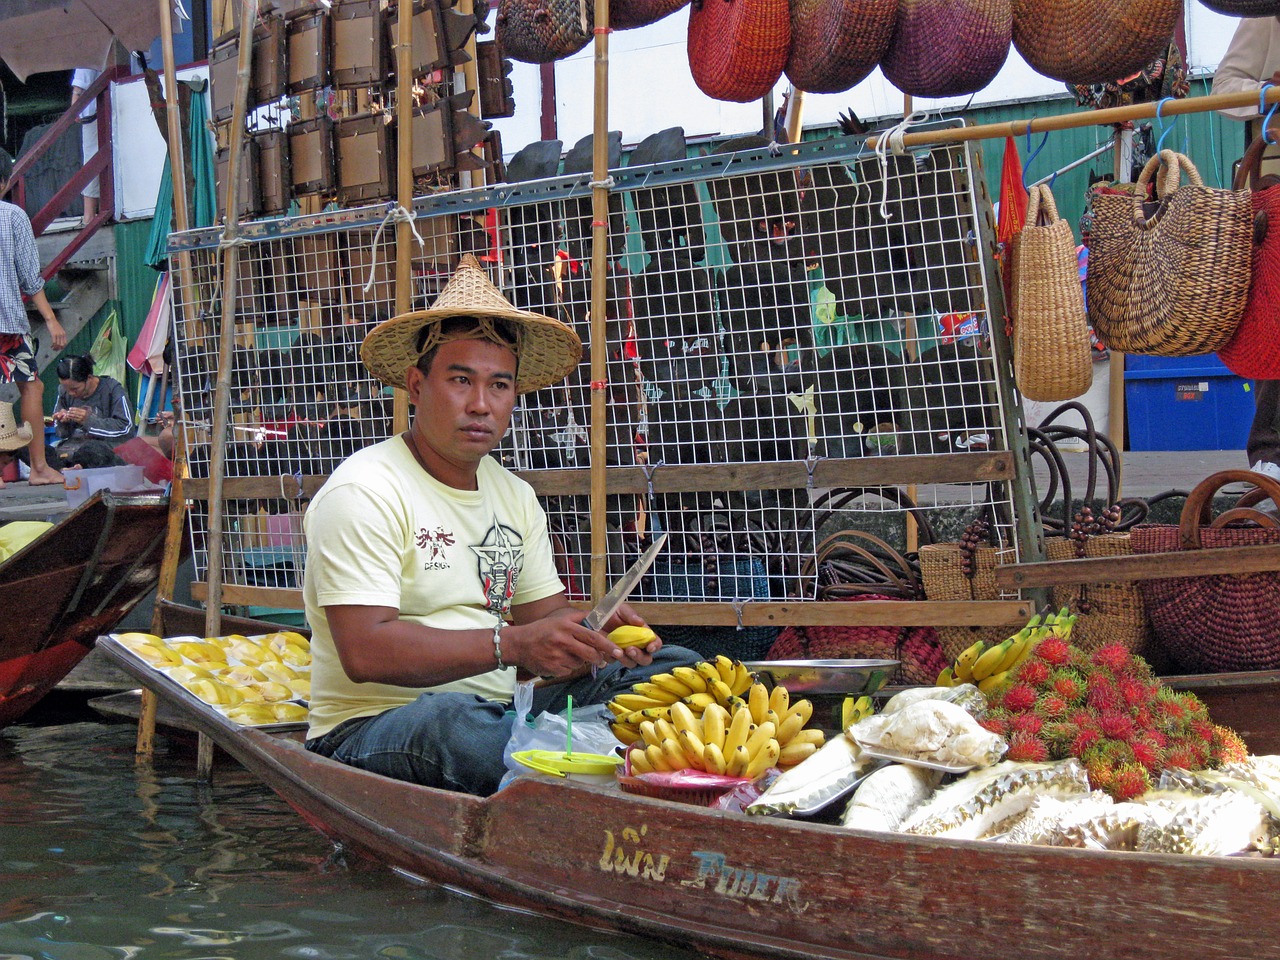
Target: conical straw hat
(546,349)
(12,437)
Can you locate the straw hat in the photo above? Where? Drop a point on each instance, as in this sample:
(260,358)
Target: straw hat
(546,350)
(11,436)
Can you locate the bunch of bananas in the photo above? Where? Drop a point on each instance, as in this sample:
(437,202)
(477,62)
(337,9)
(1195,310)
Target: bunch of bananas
(992,667)
(854,709)
(713,716)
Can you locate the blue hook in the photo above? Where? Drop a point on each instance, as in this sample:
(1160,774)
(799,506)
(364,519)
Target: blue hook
(1266,123)
(1164,131)
(1034,153)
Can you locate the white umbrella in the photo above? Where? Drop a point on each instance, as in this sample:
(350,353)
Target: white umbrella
(42,35)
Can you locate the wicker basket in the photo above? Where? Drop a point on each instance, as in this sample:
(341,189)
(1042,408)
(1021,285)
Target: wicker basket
(540,31)
(1223,622)
(835,44)
(945,48)
(1107,612)
(1244,8)
(1254,351)
(1052,359)
(944,579)
(629,14)
(1174,284)
(1083,41)
(738,48)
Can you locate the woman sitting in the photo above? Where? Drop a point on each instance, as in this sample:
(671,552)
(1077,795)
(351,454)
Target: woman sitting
(90,407)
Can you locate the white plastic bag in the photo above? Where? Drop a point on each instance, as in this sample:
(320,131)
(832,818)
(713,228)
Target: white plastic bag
(550,731)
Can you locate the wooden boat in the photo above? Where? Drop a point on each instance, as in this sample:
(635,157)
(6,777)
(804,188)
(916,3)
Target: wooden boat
(749,887)
(61,591)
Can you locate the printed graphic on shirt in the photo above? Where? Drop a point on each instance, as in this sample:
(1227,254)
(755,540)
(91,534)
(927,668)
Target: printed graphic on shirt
(434,542)
(500,556)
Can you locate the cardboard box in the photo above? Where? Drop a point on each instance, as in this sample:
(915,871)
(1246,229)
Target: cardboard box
(366,159)
(311,156)
(359,44)
(309,56)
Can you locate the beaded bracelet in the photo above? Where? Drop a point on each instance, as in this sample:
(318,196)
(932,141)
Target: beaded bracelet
(497,643)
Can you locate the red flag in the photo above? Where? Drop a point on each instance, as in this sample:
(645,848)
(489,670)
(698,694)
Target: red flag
(1013,211)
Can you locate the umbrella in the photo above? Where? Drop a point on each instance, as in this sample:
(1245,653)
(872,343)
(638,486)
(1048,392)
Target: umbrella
(41,35)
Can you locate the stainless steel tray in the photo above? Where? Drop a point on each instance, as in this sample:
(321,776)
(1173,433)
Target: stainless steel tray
(803,677)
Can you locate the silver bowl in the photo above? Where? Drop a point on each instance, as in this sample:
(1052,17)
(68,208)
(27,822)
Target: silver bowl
(803,677)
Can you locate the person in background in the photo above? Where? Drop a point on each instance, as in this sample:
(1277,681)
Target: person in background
(81,79)
(89,407)
(420,548)
(1252,59)
(19,275)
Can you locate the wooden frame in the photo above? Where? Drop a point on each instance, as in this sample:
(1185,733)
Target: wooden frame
(359,44)
(270,60)
(222,80)
(310,56)
(311,153)
(274,176)
(496,98)
(439,34)
(250,197)
(366,159)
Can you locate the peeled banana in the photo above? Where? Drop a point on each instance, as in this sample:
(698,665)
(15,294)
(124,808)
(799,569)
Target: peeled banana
(630,636)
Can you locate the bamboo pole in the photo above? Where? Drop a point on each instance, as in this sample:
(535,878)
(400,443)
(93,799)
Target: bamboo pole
(404,186)
(599,288)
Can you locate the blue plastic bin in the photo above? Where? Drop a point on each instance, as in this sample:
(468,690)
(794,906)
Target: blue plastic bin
(1186,403)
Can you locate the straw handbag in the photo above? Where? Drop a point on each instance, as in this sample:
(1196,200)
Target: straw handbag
(1083,41)
(835,44)
(1051,355)
(738,48)
(1175,283)
(540,31)
(629,14)
(1107,613)
(945,48)
(1222,622)
(1254,351)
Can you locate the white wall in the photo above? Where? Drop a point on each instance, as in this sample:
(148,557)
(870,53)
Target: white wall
(650,87)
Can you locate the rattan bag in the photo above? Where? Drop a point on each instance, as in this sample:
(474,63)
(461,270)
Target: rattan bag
(945,48)
(738,48)
(1084,41)
(1221,622)
(946,577)
(540,31)
(1052,359)
(629,14)
(1174,283)
(1244,8)
(1107,613)
(835,44)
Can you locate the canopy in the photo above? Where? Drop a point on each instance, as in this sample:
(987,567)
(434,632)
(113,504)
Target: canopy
(37,36)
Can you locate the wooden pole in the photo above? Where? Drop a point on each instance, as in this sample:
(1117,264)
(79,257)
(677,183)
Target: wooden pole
(599,288)
(404,185)
(795,114)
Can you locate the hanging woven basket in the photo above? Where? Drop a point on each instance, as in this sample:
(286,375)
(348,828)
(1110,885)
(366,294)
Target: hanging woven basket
(540,31)
(629,14)
(946,48)
(1083,41)
(738,48)
(1244,8)
(835,44)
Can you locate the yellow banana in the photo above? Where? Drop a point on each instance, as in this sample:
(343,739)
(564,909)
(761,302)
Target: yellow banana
(737,762)
(991,658)
(720,690)
(636,701)
(793,753)
(691,678)
(762,734)
(682,717)
(632,636)
(758,701)
(963,668)
(772,716)
(698,702)
(671,684)
(639,761)
(673,753)
(666,729)
(653,692)
(807,735)
(763,760)
(789,728)
(715,725)
(709,672)
(693,747)
(726,668)
(649,733)
(779,700)
(947,678)
(854,709)
(994,682)
(625,732)
(1015,652)
(654,713)
(653,753)
(739,730)
(743,678)
(803,708)
(714,760)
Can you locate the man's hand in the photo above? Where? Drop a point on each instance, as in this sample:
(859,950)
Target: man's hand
(58,334)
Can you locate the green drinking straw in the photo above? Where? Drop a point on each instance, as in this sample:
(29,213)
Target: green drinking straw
(568,733)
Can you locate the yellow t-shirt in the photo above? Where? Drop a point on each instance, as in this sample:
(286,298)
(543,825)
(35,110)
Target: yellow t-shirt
(383,532)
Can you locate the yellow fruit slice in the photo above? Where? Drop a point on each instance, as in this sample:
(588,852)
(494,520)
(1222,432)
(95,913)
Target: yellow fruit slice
(244,674)
(630,636)
(251,713)
(280,672)
(289,712)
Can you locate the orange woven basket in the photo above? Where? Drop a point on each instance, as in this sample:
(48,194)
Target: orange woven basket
(835,44)
(738,48)
(1084,41)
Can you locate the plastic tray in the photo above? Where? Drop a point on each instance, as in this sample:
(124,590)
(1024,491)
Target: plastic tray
(881,754)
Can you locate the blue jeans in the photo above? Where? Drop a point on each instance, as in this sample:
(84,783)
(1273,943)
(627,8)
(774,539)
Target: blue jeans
(455,741)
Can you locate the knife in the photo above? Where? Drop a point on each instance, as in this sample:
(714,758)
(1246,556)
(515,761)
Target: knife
(610,602)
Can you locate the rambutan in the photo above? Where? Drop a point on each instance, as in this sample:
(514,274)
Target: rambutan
(1202,730)
(1059,735)
(1068,684)
(1115,725)
(1052,706)
(1030,723)
(1113,657)
(1053,651)
(1101,773)
(1033,672)
(999,725)
(1087,738)
(1019,697)
(1226,746)
(1129,781)
(1146,752)
(1025,747)
(1133,691)
(1183,754)
(1101,693)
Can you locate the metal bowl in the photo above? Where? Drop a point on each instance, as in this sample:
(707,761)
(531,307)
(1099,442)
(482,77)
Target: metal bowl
(805,677)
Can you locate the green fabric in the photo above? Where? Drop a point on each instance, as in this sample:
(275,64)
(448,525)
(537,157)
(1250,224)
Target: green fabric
(109,349)
(204,204)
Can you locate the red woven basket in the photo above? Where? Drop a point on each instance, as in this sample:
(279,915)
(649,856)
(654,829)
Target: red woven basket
(945,48)
(1254,350)
(1216,623)
(835,44)
(738,48)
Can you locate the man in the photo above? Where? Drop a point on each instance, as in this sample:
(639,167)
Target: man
(1253,58)
(421,547)
(20,274)
(81,80)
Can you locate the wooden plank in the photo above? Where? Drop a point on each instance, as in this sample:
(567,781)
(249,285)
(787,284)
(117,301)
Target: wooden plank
(239,594)
(1149,566)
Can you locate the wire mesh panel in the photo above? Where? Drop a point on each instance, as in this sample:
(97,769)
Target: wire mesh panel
(764,315)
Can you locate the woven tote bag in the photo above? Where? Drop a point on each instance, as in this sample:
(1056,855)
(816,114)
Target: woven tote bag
(835,44)
(1175,283)
(942,573)
(945,48)
(629,14)
(1052,359)
(1084,41)
(738,48)
(1221,622)
(1106,613)
(540,31)
(1244,8)
(1254,351)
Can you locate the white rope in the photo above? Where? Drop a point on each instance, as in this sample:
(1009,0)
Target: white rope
(228,242)
(395,214)
(893,139)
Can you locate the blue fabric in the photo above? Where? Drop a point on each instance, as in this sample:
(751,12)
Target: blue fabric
(455,741)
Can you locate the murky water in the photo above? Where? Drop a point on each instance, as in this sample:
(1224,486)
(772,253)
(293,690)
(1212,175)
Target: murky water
(103,860)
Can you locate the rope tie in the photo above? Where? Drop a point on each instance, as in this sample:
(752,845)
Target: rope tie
(395,214)
(893,140)
(226,243)
(737,609)
(608,183)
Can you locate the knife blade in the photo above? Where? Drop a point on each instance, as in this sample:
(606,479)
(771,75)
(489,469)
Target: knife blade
(610,602)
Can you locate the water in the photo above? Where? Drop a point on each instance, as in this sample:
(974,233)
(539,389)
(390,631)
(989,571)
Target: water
(102,859)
